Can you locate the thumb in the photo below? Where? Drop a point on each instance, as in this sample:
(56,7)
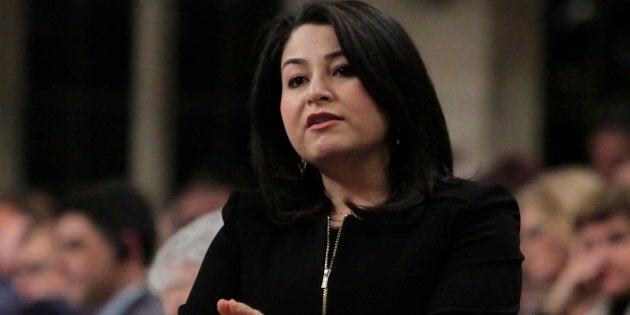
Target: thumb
(223,307)
(238,308)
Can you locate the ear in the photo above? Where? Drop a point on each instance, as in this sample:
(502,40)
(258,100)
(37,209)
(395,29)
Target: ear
(129,246)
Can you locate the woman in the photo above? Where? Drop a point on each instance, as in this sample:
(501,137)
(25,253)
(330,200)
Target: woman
(358,212)
(548,206)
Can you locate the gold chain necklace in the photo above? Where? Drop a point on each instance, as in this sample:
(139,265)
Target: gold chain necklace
(327,267)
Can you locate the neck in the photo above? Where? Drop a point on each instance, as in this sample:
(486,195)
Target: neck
(125,274)
(130,272)
(364,182)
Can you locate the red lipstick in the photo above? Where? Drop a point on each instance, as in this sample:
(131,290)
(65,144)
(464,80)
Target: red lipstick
(321,120)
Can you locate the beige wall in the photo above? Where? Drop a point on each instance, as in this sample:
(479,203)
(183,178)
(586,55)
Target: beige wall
(151,140)
(484,58)
(518,76)
(11,92)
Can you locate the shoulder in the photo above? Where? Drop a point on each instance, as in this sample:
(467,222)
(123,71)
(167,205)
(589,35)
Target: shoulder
(470,197)
(473,207)
(246,209)
(483,259)
(242,202)
(146,304)
(246,198)
(465,191)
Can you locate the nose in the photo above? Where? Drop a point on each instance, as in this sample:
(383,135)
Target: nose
(318,92)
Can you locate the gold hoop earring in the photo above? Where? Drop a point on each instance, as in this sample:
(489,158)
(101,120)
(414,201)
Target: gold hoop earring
(302,166)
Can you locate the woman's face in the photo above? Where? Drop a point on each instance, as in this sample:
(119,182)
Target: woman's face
(544,253)
(326,112)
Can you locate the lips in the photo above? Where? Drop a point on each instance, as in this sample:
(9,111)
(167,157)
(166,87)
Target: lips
(320,118)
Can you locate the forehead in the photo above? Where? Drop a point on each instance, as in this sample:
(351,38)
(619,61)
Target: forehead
(76,224)
(310,40)
(603,228)
(530,214)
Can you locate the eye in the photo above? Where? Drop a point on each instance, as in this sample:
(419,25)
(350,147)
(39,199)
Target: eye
(72,244)
(344,71)
(533,232)
(296,81)
(617,238)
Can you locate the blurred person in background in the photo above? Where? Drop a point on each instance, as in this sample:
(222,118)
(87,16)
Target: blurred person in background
(596,279)
(177,262)
(548,207)
(37,279)
(199,196)
(608,146)
(512,171)
(17,211)
(621,175)
(106,238)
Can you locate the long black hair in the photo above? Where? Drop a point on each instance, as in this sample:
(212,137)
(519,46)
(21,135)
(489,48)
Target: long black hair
(389,66)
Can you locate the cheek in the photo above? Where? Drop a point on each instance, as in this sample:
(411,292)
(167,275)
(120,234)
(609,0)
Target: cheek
(544,246)
(285,113)
(95,260)
(375,123)
(290,118)
(74,263)
(620,259)
(370,115)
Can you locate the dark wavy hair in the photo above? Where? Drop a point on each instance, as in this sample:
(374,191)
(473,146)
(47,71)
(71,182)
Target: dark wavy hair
(389,66)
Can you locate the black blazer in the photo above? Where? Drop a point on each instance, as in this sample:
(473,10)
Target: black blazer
(461,255)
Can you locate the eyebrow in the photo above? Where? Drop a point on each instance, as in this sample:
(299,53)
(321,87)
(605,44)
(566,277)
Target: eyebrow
(301,61)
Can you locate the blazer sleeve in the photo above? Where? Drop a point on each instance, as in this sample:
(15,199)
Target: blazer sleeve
(219,274)
(482,273)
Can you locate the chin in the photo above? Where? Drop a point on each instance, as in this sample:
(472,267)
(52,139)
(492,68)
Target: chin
(321,160)
(323,154)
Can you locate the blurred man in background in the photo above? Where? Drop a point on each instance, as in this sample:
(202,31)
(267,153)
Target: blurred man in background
(18,210)
(37,279)
(106,237)
(200,195)
(608,147)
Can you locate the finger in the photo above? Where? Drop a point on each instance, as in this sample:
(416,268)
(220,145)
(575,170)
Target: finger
(239,308)
(223,307)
